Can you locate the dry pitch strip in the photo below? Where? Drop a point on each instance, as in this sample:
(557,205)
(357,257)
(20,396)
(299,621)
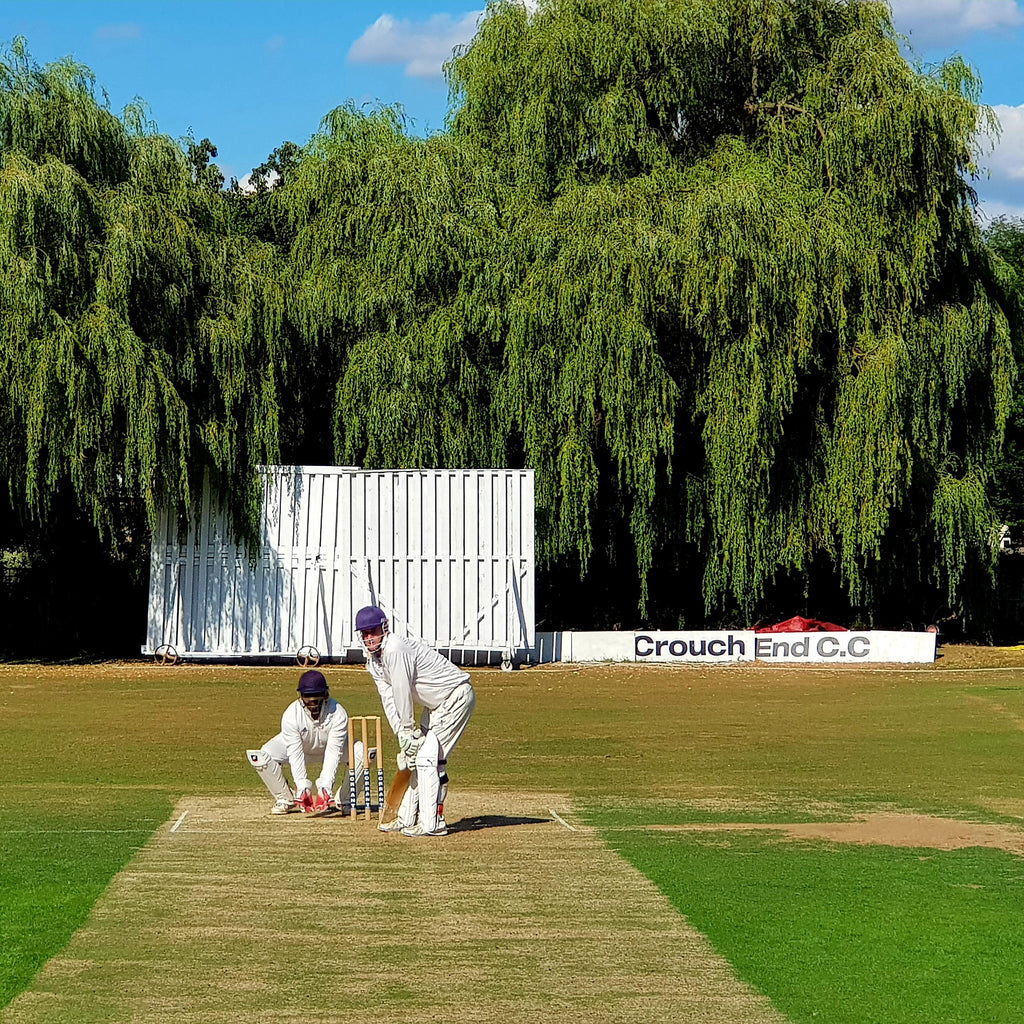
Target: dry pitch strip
(230,915)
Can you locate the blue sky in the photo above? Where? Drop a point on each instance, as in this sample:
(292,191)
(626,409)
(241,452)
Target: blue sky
(250,74)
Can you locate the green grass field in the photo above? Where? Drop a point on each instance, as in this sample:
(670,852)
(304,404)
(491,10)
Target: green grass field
(829,931)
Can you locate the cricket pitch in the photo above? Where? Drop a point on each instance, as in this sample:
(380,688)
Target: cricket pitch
(229,915)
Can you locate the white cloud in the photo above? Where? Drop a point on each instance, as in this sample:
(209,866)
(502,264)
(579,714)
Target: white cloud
(990,209)
(246,184)
(1001,185)
(422,46)
(946,22)
(1007,159)
(125,30)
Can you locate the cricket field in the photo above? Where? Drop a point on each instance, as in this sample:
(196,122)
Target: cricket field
(629,843)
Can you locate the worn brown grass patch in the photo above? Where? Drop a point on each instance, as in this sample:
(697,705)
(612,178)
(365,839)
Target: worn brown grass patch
(231,915)
(913,830)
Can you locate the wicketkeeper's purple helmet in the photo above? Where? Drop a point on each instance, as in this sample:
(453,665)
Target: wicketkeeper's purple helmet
(313,684)
(370,617)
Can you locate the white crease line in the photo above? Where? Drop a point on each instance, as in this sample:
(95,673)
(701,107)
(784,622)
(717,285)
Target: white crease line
(177,824)
(562,821)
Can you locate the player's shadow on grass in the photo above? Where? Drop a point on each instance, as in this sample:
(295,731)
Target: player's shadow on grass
(480,821)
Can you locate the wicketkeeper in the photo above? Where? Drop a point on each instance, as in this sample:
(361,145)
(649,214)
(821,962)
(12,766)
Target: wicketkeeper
(408,672)
(313,726)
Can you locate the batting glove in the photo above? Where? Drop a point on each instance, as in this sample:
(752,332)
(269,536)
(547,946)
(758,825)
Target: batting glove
(404,764)
(412,744)
(410,739)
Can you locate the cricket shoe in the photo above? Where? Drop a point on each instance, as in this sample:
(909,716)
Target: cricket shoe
(284,807)
(394,825)
(417,831)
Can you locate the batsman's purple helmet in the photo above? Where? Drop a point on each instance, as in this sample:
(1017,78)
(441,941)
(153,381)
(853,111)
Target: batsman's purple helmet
(312,684)
(370,617)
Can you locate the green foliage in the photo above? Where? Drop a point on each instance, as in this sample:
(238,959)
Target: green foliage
(849,934)
(204,173)
(736,234)
(711,270)
(1005,237)
(139,339)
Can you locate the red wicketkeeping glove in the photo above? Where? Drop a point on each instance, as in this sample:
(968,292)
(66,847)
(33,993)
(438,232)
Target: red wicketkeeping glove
(323,802)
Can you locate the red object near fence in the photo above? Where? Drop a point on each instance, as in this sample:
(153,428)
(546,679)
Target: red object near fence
(798,624)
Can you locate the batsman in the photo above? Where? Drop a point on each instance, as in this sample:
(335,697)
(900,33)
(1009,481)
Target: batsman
(408,672)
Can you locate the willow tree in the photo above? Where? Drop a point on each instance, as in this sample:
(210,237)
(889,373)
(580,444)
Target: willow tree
(1005,238)
(397,244)
(138,337)
(753,286)
(710,268)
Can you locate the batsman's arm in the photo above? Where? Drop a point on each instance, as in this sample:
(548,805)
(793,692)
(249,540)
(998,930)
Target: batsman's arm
(401,670)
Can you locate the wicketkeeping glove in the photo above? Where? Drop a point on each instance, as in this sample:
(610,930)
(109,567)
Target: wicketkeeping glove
(323,802)
(304,798)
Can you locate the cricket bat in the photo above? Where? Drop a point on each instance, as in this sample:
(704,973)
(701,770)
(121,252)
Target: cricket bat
(393,799)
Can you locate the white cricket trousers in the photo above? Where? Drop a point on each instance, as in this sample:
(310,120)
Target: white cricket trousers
(443,728)
(277,751)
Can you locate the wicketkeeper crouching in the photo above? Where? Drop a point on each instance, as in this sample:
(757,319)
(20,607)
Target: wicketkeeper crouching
(315,726)
(407,672)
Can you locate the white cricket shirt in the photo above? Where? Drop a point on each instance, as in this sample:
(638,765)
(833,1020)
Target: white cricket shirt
(407,672)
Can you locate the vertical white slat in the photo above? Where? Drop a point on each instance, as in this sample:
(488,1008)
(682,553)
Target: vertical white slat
(300,562)
(226,560)
(432,618)
(397,548)
(258,586)
(213,596)
(329,542)
(271,574)
(511,556)
(371,537)
(317,584)
(188,576)
(499,557)
(189,582)
(185,577)
(239,584)
(261,588)
(484,568)
(525,494)
(414,564)
(306,568)
(449,508)
(157,605)
(206,596)
(282,591)
(343,579)
(471,561)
